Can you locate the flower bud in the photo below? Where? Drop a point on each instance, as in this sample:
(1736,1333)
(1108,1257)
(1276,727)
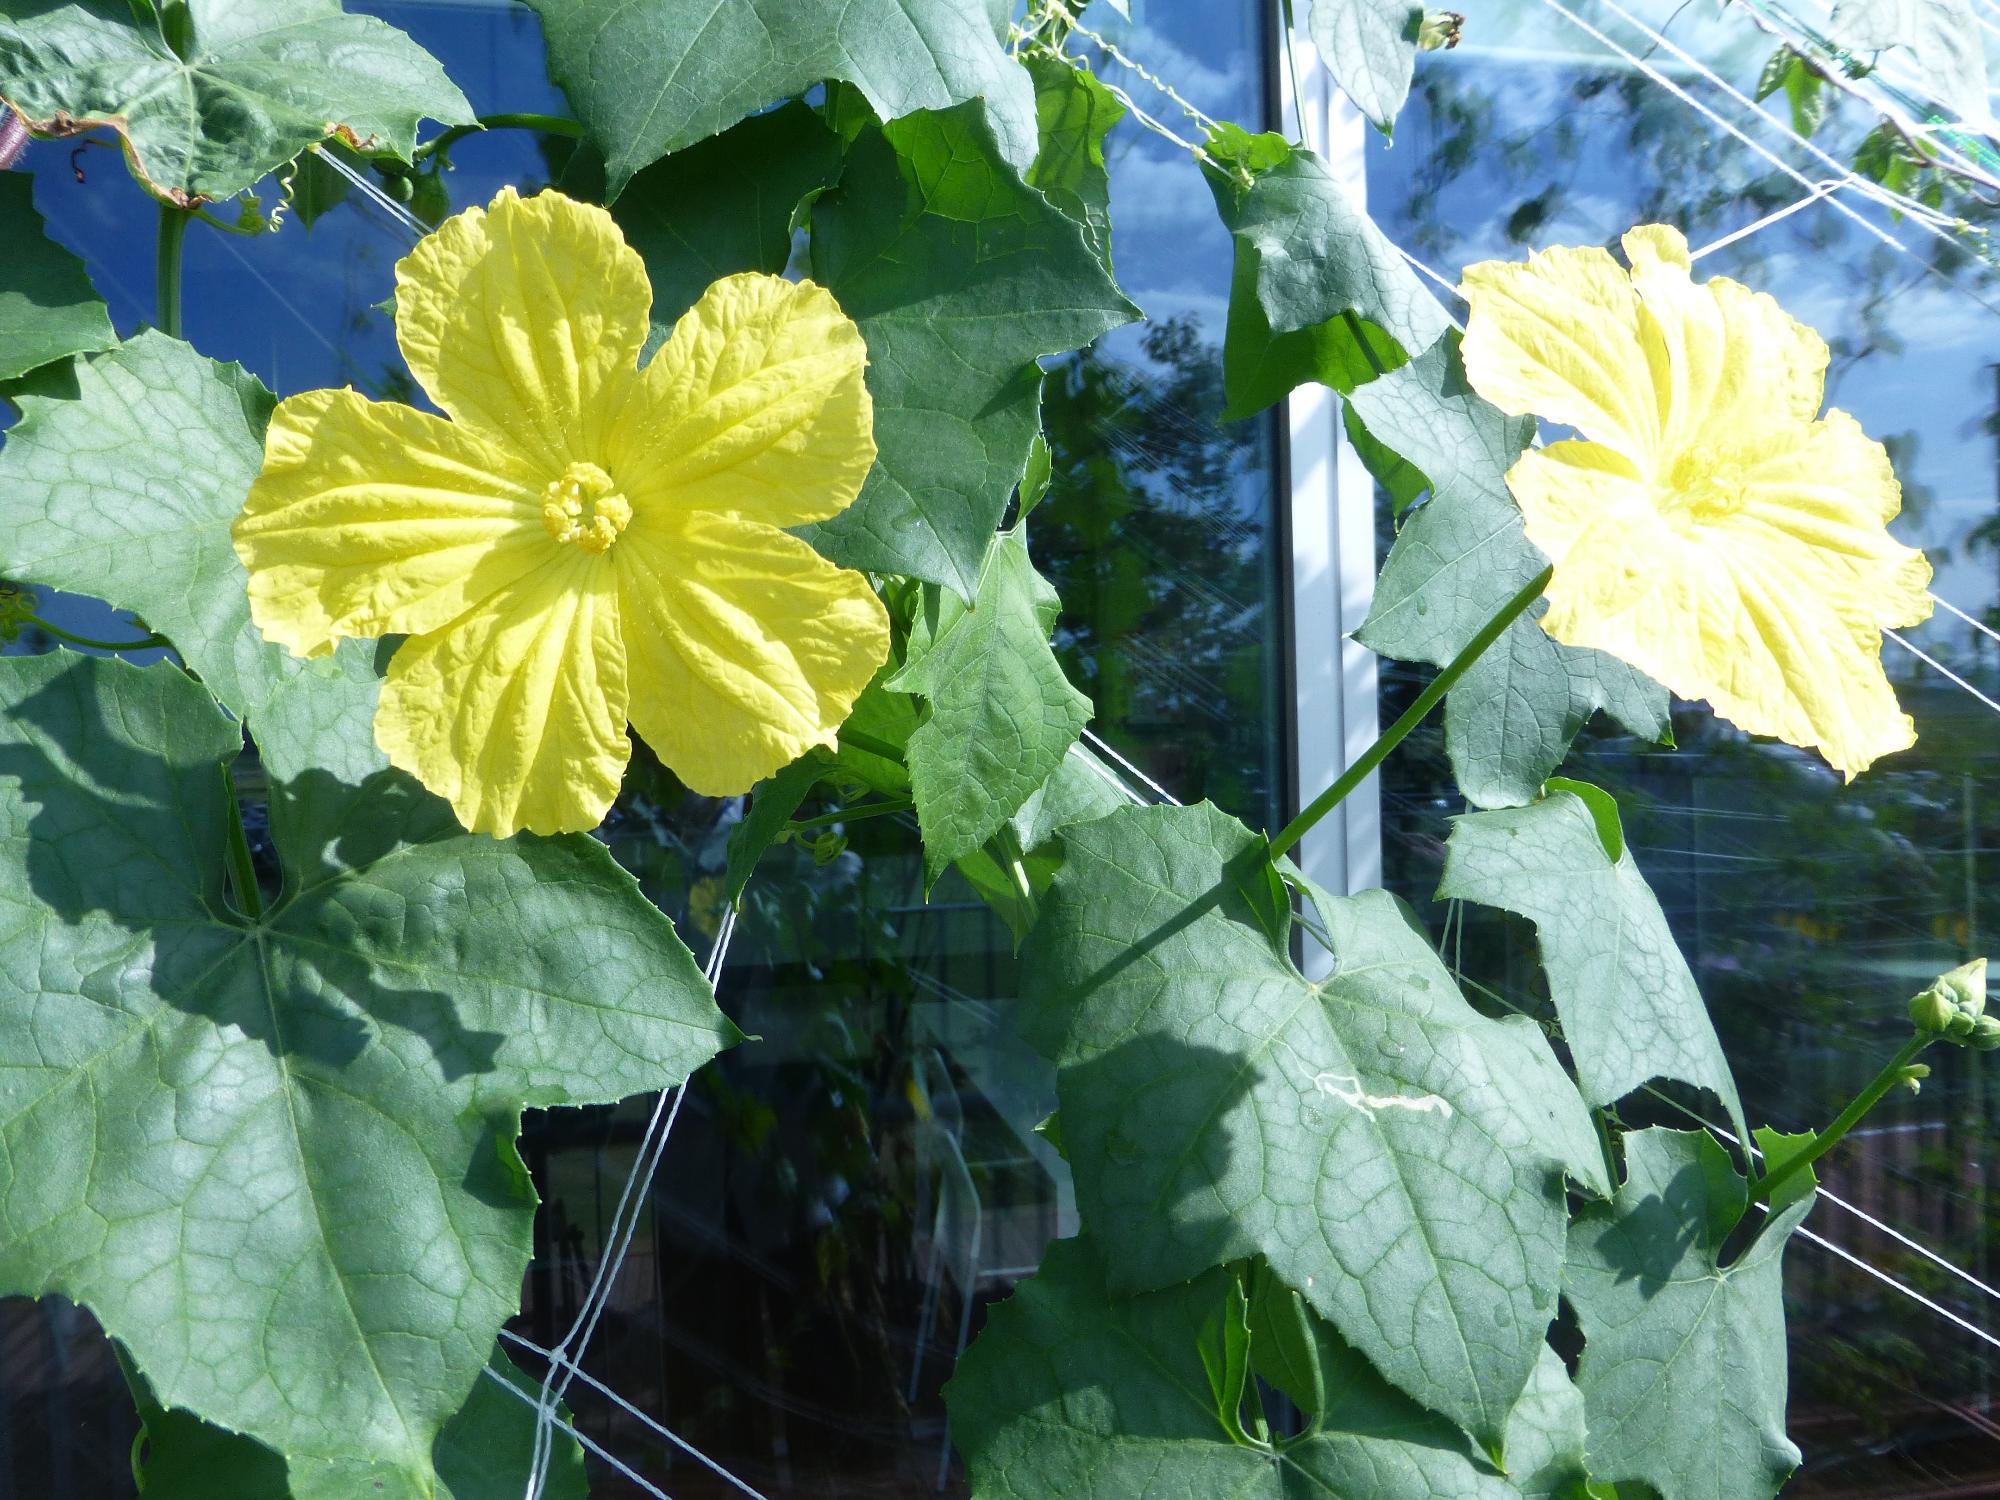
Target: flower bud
(1439,30)
(1932,1012)
(1966,985)
(1913,1075)
(1985,1033)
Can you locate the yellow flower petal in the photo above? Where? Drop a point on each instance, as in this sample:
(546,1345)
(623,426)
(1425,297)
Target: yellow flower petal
(1732,355)
(1562,337)
(754,407)
(515,714)
(1776,636)
(370,518)
(521,320)
(748,648)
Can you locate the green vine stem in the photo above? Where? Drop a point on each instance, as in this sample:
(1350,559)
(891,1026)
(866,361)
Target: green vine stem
(167,285)
(149,643)
(1397,732)
(242,872)
(1892,1074)
(880,809)
(440,145)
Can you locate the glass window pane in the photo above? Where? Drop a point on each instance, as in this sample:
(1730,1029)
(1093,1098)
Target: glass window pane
(1809,911)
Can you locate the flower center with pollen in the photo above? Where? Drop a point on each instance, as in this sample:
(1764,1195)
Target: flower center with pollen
(1707,485)
(585,508)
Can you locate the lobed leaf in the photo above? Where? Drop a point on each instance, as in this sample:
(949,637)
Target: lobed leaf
(1683,1368)
(1317,291)
(48,308)
(1073,1390)
(648,78)
(1394,1155)
(275,1157)
(960,276)
(1630,1009)
(212,94)
(1002,716)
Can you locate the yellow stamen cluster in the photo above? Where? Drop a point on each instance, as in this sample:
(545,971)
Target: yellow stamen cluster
(583,507)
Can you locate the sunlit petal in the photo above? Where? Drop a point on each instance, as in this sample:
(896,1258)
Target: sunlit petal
(522,320)
(748,648)
(754,407)
(515,714)
(370,518)
(1562,336)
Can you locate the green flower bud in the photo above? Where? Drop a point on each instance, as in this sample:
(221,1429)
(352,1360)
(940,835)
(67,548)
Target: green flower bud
(1932,1012)
(1966,985)
(1913,1075)
(1985,1033)
(1959,1027)
(1439,31)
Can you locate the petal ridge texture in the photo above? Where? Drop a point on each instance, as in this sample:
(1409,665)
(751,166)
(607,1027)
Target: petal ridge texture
(1711,526)
(579,541)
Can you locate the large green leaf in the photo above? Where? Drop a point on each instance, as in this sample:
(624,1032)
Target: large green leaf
(1073,114)
(961,276)
(275,1157)
(1002,716)
(484,1451)
(726,204)
(48,308)
(1317,291)
(1942,41)
(1456,560)
(651,76)
(127,493)
(1683,1369)
(1395,1155)
(212,94)
(1630,1008)
(1370,47)
(1073,1391)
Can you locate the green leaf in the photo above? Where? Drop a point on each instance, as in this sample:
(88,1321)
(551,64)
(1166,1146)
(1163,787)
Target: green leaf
(725,205)
(1383,1145)
(773,801)
(1545,1435)
(1780,1147)
(127,493)
(1805,92)
(1073,115)
(1370,47)
(1074,1391)
(1456,560)
(48,308)
(961,277)
(1941,37)
(212,94)
(485,1450)
(1002,716)
(276,1158)
(648,76)
(1683,1368)
(1630,1009)
(1317,291)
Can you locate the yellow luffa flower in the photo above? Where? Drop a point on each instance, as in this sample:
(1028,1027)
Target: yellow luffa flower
(1714,531)
(583,542)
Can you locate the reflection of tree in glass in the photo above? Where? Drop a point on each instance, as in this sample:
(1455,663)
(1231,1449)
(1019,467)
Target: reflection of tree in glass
(1157,535)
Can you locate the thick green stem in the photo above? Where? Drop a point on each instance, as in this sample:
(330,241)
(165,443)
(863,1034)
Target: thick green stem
(1397,732)
(149,643)
(1846,1120)
(441,144)
(167,284)
(851,814)
(1360,332)
(869,745)
(242,872)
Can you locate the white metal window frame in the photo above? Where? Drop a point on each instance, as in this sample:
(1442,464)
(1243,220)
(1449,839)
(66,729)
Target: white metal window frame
(1331,514)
